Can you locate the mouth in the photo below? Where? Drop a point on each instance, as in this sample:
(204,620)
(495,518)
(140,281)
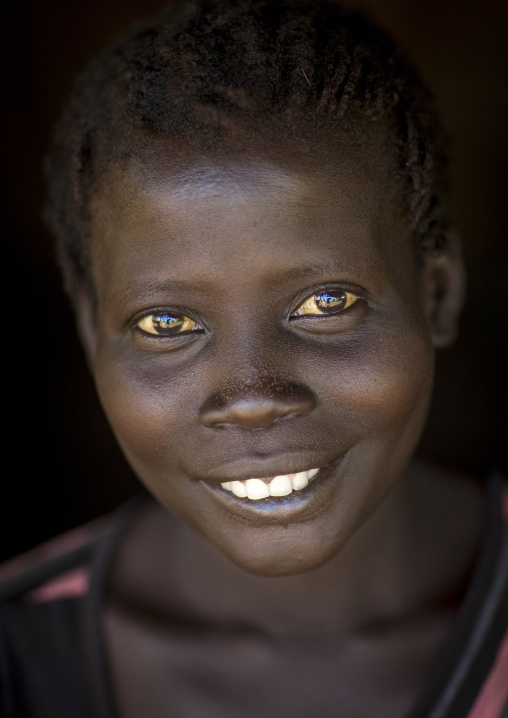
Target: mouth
(285,497)
(283,485)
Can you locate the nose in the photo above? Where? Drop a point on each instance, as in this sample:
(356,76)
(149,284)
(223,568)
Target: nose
(257,406)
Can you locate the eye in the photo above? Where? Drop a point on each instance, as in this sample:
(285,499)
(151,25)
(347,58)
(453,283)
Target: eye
(327,302)
(166,324)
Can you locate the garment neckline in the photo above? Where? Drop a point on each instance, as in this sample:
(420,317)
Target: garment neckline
(430,694)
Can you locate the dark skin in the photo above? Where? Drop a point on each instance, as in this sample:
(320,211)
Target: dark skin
(224,606)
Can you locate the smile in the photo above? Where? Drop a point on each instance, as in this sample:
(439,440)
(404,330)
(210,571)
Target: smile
(283,485)
(295,496)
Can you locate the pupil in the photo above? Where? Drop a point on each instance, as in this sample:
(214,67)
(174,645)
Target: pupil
(167,322)
(330,302)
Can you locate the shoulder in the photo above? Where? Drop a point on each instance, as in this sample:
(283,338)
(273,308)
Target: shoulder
(62,567)
(487,648)
(51,570)
(49,621)
(42,593)
(471,676)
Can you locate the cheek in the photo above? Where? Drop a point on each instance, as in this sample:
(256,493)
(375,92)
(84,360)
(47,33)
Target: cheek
(386,392)
(147,407)
(380,382)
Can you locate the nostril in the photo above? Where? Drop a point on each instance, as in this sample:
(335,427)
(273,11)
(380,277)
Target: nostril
(254,409)
(262,424)
(248,413)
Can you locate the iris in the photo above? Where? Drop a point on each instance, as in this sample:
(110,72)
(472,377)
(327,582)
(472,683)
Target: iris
(330,302)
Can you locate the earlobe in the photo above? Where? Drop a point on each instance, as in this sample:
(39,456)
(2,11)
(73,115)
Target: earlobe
(444,286)
(86,323)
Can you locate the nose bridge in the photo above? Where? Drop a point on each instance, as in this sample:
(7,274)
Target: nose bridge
(254,383)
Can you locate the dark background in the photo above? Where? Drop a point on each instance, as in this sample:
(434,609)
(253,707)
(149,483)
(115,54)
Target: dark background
(62,466)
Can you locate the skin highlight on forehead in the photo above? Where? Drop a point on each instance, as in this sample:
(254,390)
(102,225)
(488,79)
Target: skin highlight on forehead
(169,179)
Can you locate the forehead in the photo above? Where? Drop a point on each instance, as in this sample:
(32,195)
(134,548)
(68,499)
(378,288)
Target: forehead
(344,161)
(274,203)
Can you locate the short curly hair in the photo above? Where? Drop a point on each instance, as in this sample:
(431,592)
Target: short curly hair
(198,68)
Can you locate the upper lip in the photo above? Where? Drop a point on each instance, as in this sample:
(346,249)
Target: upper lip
(260,468)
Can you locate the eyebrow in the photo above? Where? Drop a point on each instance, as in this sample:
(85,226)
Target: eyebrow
(135,289)
(299,272)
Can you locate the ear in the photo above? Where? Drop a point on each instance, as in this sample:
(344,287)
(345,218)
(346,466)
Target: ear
(86,323)
(443,285)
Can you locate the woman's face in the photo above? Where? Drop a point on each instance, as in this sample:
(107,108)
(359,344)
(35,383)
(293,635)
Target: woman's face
(261,317)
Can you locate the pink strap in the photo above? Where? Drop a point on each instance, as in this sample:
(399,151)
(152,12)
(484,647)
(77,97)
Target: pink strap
(494,693)
(72,584)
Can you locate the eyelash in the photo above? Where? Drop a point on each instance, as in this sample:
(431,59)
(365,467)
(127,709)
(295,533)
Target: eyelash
(193,326)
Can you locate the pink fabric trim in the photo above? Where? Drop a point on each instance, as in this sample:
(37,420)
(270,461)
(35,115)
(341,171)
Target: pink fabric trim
(54,547)
(72,584)
(504,502)
(494,693)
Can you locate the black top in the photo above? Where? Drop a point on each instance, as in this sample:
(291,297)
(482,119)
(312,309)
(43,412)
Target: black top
(52,654)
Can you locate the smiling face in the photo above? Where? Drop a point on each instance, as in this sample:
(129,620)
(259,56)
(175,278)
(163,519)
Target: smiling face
(262,315)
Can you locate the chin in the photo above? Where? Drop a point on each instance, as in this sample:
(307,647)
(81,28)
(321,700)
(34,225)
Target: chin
(279,551)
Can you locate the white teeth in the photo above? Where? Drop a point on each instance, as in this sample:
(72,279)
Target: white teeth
(300,480)
(238,488)
(283,485)
(257,489)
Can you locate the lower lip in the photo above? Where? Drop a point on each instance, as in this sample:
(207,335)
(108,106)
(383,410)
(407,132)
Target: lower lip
(296,506)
